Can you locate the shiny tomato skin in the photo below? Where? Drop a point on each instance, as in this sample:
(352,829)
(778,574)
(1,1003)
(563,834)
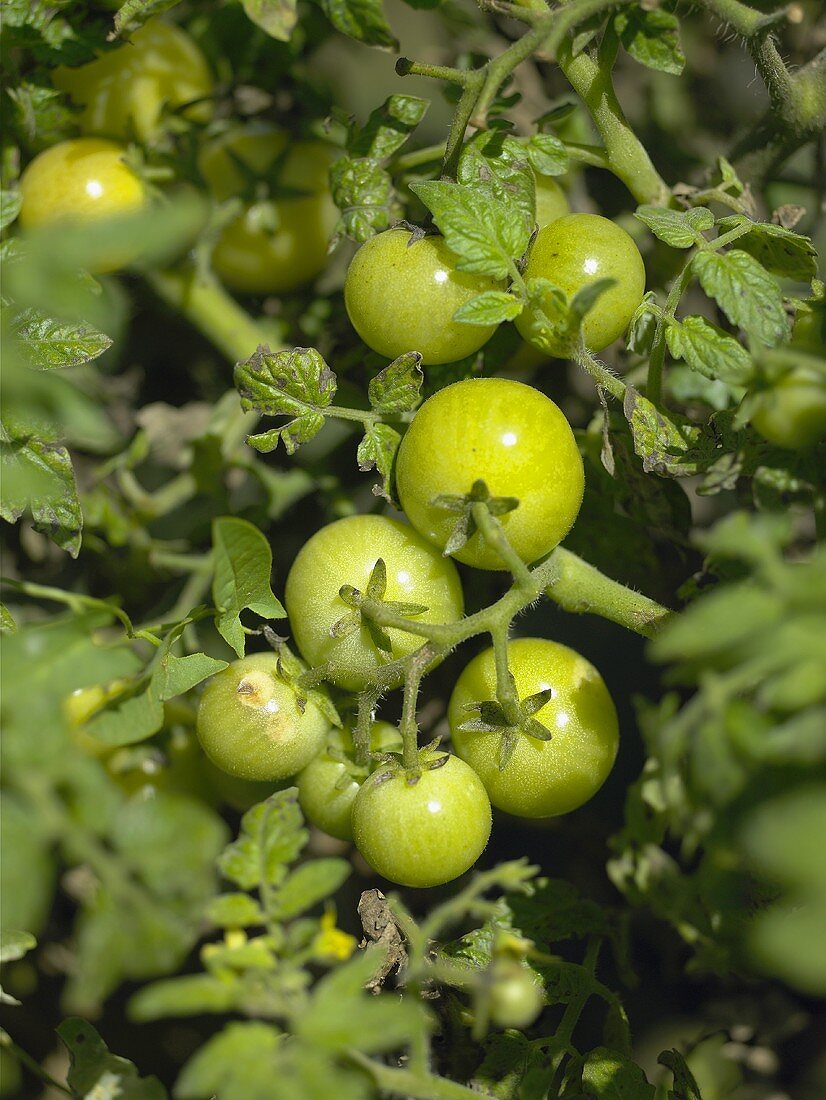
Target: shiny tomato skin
(344,553)
(424,833)
(327,787)
(249,256)
(551,201)
(251,725)
(512,437)
(573,252)
(401,297)
(541,778)
(125,92)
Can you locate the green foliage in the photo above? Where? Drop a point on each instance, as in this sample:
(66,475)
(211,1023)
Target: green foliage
(149,520)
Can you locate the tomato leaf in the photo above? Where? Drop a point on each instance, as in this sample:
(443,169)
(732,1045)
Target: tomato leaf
(243,564)
(652,37)
(679,228)
(746,293)
(277,18)
(778,249)
(363,20)
(397,387)
(485,234)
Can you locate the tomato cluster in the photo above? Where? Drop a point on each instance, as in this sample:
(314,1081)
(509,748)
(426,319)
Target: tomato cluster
(360,597)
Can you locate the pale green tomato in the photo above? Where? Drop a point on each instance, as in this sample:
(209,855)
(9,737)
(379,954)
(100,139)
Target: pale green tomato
(551,201)
(344,553)
(327,787)
(573,252)
(125,92)
(541,778)
(252,256)
(510,436)
(401,297)
(793,413)
(250,722)
(422,833)
(80,181)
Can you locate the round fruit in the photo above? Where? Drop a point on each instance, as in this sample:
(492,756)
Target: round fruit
(329,784)
(78,181)
(793,413)
(551,201)
(541,778)
(574,252)
(401,296)
(508,435)
(516,997)
(250,722)
(125,92)
(809,330)
(422,833)
(344,553)
(281,239)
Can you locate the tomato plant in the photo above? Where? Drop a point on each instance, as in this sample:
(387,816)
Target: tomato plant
(535,777)
(573,253)
(253,723)
(507,435)
(422,827)
(279,241)
(333,628)
(402,293)
(328,786)
(126,92)
(412,487)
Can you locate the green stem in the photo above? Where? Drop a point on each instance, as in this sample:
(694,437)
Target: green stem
(494,535)
(625,154)
(600,373)
(580,588)
(506,694)
(34,1067)
(213,312)
(459,124)
(408,726)
(364,720)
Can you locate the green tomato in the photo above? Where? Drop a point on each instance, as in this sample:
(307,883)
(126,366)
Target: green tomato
(574,252)
(551,201)
(809,331)
(401,297)
(250,722)
(422,833)
(344,553)
(516,997)
(281,243)
(125,92)
(793,413)
(79,181)
(329,784)
(541,778)
(510,436)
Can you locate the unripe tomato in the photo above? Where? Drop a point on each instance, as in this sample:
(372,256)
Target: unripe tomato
(401,297)
(573,252)
(344,553)
(792,413)
(79,181)
(426,832)
(551,201)
(328,786)
(516,997)
(510,436)
(809,331)
(541,778)
(250,722)
(125,92)
(254,255)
